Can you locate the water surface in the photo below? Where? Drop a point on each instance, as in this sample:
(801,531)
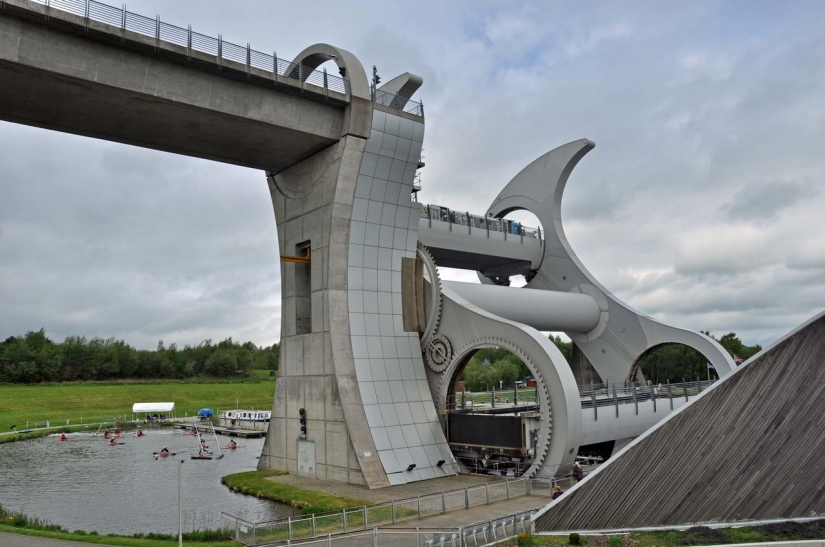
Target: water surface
(83,484)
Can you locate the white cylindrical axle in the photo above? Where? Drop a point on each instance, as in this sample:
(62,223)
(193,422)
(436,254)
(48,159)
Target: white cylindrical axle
(543,310)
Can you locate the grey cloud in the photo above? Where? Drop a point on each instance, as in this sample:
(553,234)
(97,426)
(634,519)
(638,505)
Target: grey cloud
(103,239)
(762,202)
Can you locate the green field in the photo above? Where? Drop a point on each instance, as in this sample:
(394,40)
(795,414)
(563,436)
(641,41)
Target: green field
(98,400)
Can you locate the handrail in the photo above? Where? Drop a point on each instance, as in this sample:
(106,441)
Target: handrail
(367,517)
(439,213)
(92,10)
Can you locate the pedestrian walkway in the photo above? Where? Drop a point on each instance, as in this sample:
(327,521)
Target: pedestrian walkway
(477,513)
(17,540)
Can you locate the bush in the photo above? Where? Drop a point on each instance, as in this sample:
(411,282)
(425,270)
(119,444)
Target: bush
(574,539)
(615,541)
(789,530)
(702,535)
(525,539)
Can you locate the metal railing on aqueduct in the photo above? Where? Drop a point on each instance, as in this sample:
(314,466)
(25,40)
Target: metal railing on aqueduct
(91,10)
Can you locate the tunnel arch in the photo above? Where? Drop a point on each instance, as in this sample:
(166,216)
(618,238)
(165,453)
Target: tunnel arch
(318,54)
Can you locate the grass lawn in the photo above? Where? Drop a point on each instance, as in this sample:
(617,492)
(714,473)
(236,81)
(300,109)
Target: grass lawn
(93,401)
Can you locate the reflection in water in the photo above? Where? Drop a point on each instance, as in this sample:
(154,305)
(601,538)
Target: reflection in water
(82,484)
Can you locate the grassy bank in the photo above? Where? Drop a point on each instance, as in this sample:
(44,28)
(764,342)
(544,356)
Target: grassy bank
(698,535)
(17,523)
(256,483)
(93,401)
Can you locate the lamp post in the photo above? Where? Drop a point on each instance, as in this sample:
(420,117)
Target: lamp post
(180,505)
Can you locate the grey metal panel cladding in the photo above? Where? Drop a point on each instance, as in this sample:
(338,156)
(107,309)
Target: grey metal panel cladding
(749,448)
(486,430)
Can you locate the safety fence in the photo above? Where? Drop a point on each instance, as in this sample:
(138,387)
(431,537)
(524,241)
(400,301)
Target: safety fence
(348,521)
(472,535)
(525,398)
(165,33)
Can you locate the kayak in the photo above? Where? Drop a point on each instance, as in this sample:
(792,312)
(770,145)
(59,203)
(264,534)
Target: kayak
(114,444)
(230,447)
(164,454)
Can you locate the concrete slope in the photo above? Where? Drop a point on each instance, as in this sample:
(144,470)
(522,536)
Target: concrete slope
(748,448)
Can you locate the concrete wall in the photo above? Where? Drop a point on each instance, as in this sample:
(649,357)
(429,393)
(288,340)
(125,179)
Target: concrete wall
(345,357)
(313,203)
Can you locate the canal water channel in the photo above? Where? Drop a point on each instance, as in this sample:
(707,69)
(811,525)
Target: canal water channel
(82,484)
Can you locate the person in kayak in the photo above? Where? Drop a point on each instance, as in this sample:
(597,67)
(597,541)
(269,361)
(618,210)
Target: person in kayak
(139,433)
(204,446)
(63,437)
(106,434)
(202,452)
(164,450)
(117,431)
(232,443)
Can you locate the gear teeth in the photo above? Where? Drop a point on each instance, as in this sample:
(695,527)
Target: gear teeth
(436,305)
(546,427)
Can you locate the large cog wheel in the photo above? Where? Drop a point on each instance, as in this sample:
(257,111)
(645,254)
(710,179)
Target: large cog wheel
(433,295)
(546,421)
(439,353)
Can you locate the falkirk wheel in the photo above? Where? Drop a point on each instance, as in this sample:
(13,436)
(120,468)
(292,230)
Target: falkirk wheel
(373,342)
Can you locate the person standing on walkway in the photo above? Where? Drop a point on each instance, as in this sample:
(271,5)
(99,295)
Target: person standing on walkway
(557,491)
(578,472)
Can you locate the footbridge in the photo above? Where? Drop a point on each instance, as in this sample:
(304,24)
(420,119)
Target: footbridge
(497,248)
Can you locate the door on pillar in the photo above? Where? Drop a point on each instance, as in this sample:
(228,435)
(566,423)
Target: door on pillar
(306,458)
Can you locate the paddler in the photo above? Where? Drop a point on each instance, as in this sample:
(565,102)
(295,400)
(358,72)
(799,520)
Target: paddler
(63,437)
(117,431)
(164,450)
(232,443)
(204,446)
(106,434)
(139,433)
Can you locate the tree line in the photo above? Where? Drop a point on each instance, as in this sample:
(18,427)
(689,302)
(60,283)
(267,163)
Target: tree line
(34,358)
(490,366)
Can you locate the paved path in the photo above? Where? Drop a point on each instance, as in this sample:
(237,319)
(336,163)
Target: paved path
(463,517)
(16,540)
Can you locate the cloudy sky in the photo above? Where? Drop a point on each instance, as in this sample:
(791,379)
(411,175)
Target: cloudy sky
(702,204)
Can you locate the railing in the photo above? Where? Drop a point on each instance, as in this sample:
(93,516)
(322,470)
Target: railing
(91,10)
(474,535)
(594,395)
(370,516)
(616,395)
(463,220)
(397,101)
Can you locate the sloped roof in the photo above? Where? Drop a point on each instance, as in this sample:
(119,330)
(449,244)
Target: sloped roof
(153,407)
(749,448)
